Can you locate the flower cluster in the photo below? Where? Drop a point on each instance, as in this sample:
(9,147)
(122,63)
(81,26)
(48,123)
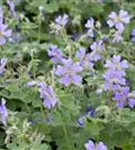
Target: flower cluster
(47,94)
(114,76)
(116,82)
(91,146)
(68,72)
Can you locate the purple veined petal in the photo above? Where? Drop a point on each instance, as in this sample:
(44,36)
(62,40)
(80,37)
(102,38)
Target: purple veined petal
(124,64)
(120,104)
(91,33)
(90,23)
(113,15)
(124,16)
(126,20)
(90,145)
(77,67)
(120,27)
(93,46)
(2,41)
(50,90)
(65,19)
(76,79)
(110,23)
(118,96)
(116,59)
(47,103)
(53,101)
(60,71)
(108,64)
(58,19)
(65,80)
(3,111)
(67,62)
(80,53)
(123,13)
(101,146)
(131,102)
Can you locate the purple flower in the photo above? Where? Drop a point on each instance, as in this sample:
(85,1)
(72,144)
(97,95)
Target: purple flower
(117,37)
(62,20)
(133,34)
(68,72)
(116,64)
(97,48)
(118,20)
(3,63)
(47,94)
(55,54)
(90,26)
(80,54)
(85,59)
(12,8)
(131,99)
(4,33)
(3,112)
(88,62)
(113,80)
(91,146)
(121,96)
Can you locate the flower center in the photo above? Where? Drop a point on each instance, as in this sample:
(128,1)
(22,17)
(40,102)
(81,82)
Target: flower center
(117,19)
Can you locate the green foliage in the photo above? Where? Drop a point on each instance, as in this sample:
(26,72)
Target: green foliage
(30,125)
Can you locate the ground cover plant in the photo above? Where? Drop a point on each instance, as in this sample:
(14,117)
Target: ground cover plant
(67,75)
